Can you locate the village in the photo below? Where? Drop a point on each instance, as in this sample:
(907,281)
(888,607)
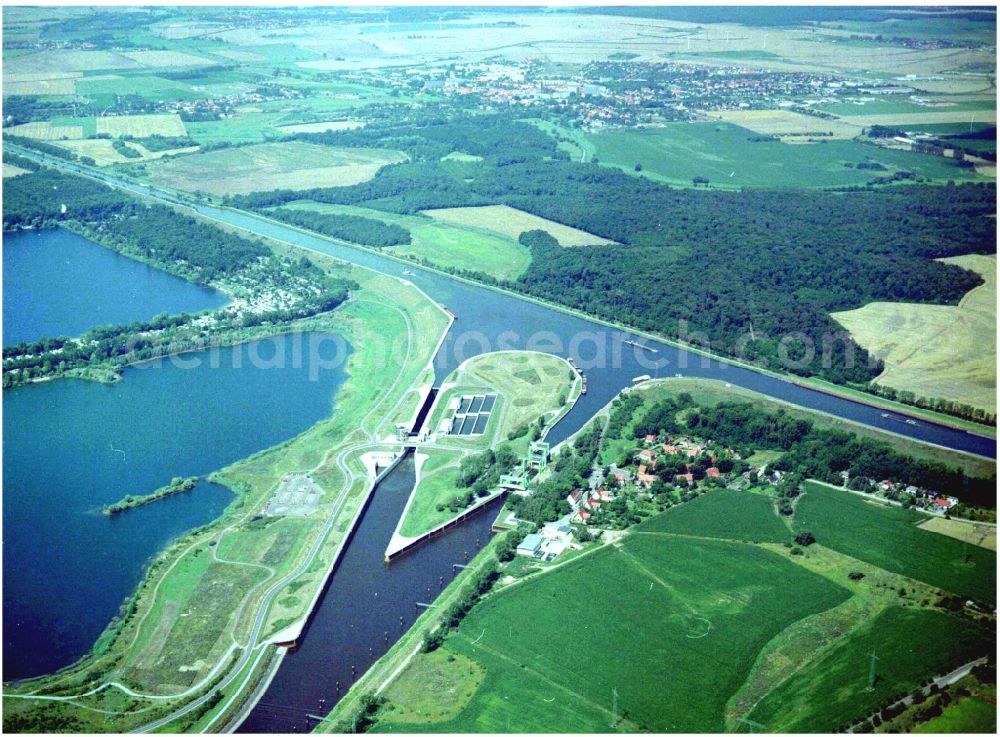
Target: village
(667,470)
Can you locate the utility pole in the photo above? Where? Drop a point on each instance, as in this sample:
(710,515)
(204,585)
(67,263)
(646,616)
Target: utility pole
(614,707)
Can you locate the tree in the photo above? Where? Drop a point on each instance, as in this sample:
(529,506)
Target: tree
(805,539)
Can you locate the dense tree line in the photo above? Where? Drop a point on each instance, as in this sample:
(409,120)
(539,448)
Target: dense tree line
(34,199)
(366,231)
(156,232)
(823,454)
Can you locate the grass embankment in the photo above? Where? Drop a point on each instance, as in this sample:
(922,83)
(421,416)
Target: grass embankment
(176,486)
(529,387)
(203,593)
(444,244)
(936,351)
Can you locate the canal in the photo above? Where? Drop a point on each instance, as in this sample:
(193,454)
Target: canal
(366,608)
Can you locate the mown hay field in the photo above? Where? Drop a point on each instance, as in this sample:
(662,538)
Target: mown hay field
(141,126)
(267,166)
(936,351)
(512,222)
(43,130)
(982,535)
(786,123)
(103,152)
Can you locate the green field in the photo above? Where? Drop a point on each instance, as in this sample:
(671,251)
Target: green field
(909,644)
(887,536)
(528,386)
(678,152)
(673,624)
(726,514)
(267,166)
(444,244)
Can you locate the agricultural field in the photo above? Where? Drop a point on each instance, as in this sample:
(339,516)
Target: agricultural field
(330,125)
(657,617)
(843,521)
(936,351)
(983,535)
(141,126)
(9,170)
(103,152)
(512,222)
(725,514)
(267,166)
(443,243)
(676,153)
(789,126)
(909,644)
(53,83)
(528,386)
(46,131)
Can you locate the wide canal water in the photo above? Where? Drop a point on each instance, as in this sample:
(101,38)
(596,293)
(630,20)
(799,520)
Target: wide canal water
(366,608)
(58,283)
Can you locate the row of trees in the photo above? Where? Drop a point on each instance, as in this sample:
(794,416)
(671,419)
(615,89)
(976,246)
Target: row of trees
(823,453)
(353,228)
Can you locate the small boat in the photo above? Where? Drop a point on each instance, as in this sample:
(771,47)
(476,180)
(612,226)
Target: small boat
(640,345)
(886,415)
(407,272)
(911,422)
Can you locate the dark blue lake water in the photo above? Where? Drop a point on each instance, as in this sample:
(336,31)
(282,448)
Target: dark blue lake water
(59,283)
(70,446)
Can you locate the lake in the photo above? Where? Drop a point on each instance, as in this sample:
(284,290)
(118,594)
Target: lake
(58,283)
(71,446)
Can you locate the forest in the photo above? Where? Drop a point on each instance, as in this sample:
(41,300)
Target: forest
(771,266)
(365,231)
(155,231)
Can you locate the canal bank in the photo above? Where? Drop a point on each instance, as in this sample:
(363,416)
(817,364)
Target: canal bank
(492,319)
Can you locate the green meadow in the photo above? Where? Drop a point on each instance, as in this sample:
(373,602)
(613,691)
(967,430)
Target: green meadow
(444,244)
(888,537)
(726,514)
(723,153)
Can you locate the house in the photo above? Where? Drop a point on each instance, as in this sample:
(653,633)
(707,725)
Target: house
(646,479)
(650,439)
(712,473)
(688,477)
(574,498)
(584,515)
(602,495)
(944,503)
(670,449)
(530,545)
(647,455)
